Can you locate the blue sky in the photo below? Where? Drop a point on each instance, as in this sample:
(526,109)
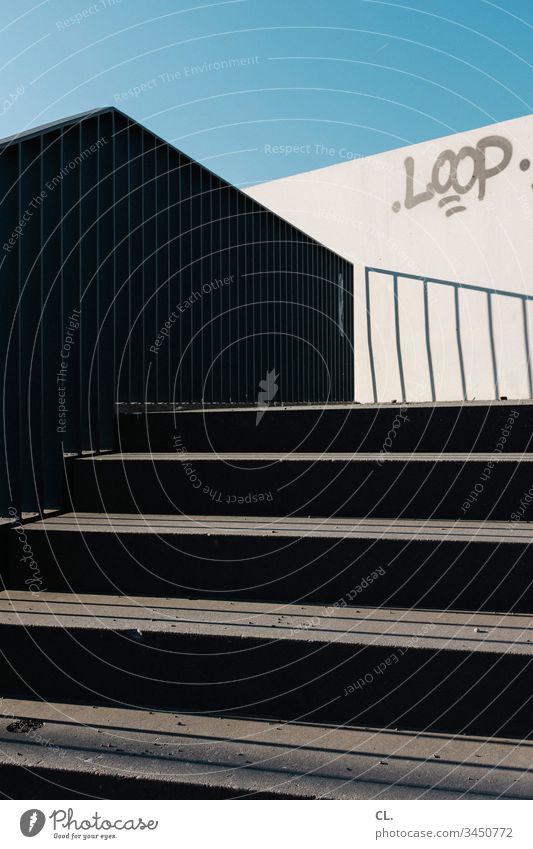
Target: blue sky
(258,89)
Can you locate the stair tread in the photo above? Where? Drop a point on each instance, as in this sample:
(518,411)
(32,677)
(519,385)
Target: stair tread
(293,456)
(257,756)
(402,628)
(462,530)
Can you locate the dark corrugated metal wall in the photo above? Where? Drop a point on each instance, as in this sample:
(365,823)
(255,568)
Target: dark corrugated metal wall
(130,273)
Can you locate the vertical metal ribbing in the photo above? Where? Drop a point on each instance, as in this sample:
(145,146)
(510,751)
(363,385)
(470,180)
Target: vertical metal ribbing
(29,245)
(264,297)
(215,294)
(69,180)
(264,340)
(35,388)
(80,392)
(115,337)
(245,287)
(323,301)
(304,294)
(40,348)
(51,320)
(97,281)
(258,370)
(19,354)
(293,312)
(328,388)
(317,289)
(319,327)
(250,298)
(253,294)
(331,321)
(165,272)
(205,305)
(186,360)
(125,142)
(333,324)
(324,338)
(324,323)
(124,366)
(340,325)
(231,236)
(188,280)
(294,340)
(176,392)
(310,301)
(162,287)
(333,336)
(88,248)
(140,318)
(199,277)
(302,353)
(193,277)
(350,346)
(289,316)
(274,292)
(218,295)
(129,257)
(173,265)
(351,340)
(220,263)
(148,317)
(279,308)
(242,321)
(238,234)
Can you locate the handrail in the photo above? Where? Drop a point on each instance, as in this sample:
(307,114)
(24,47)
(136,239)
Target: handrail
(131,274)
(489,293)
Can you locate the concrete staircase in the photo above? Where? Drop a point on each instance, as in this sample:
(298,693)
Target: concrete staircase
(328,602)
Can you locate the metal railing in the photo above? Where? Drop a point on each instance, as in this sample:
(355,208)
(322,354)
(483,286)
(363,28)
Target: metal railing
(130,273)
(426,282)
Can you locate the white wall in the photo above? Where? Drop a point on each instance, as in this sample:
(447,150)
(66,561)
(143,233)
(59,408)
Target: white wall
(364,210)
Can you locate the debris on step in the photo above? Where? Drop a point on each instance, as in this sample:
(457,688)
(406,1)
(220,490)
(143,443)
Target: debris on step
(24,726)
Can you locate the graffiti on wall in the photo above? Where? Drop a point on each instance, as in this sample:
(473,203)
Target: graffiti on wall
(454,175)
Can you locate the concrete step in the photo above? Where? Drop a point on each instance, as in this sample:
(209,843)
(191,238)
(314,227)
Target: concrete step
(459,427)
(106,752)
(411,486)
(461,565)
(437,671)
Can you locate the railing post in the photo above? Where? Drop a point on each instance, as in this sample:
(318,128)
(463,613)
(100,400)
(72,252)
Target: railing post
(459,340)
(398,336)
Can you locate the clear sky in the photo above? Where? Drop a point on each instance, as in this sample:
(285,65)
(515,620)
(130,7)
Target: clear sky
(241,84)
